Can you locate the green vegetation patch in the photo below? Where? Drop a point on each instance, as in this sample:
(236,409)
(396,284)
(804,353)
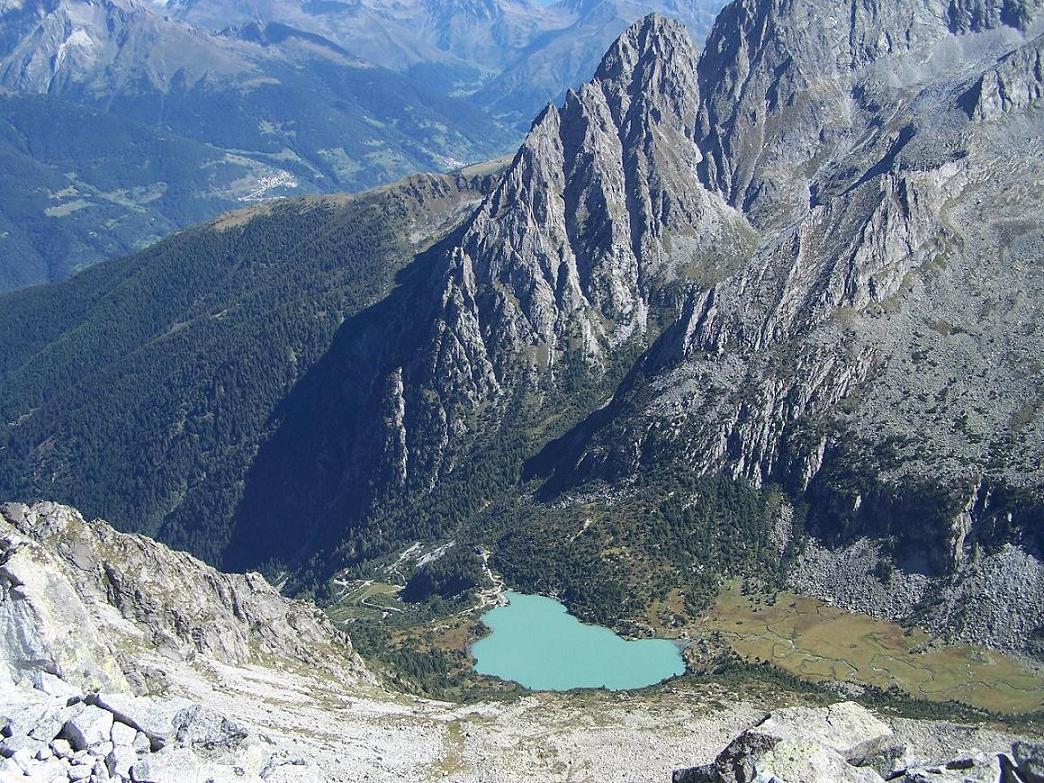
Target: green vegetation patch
(817,642)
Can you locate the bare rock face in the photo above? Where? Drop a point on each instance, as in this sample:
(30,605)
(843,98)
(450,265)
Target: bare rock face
(786,85)
(55,46)
(43,619)
(874,356)
(599,207)
(598,212)
(78,599)
(844,743)
(582,226)
(1015,84)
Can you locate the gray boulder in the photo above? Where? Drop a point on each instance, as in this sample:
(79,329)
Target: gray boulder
(90,728)
(44,624)
(972,767)
(169,765)
(54,686)
(20,746)
(207,732)
(799,745)
(122,735)
(120,760)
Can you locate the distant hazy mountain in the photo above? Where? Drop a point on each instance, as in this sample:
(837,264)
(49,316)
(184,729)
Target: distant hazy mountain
(121,121)
(470,38)
(514,55)
(119,124)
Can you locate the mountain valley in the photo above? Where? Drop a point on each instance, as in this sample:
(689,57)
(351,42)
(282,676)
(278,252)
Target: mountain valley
(739,349)
(122,122)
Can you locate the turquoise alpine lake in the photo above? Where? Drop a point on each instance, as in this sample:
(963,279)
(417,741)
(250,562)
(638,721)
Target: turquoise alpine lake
(538,644)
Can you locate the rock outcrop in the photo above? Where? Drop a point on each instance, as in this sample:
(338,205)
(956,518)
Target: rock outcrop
(892,282)
(91,622)
(844,743)
(79,601)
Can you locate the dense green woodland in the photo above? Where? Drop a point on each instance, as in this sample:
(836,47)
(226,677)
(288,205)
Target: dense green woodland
(141,389)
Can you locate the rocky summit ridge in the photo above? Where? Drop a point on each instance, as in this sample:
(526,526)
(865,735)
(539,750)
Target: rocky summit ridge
(596,217)
(75,606)
(95,625)
(844,743)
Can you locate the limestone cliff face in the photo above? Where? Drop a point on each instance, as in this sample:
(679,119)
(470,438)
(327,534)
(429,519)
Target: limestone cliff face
(87,604)
(874,354)
(598,214)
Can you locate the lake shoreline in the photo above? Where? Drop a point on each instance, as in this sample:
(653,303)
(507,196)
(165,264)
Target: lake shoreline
(535,643)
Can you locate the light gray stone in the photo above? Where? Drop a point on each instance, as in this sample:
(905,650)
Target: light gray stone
(799,745)
(292,773)
(120,760)
(11,772)
(51,721)
(207,732)
(150,715)
(122,734)
(12,745)
(168,765)
(89,728)
(44,624)
(54,686)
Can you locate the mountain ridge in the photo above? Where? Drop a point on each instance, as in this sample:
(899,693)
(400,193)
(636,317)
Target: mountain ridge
(646,361)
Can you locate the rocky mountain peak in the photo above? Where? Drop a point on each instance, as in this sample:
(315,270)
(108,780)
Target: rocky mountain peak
(655,36)
(570,245)
(598,214)
(785,84)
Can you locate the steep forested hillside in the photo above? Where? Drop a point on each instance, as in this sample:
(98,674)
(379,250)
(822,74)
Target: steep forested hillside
(144,386)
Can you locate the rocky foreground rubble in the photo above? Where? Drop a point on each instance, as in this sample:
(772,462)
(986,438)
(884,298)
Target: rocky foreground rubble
(92,623)
(55,734)
(845,743)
